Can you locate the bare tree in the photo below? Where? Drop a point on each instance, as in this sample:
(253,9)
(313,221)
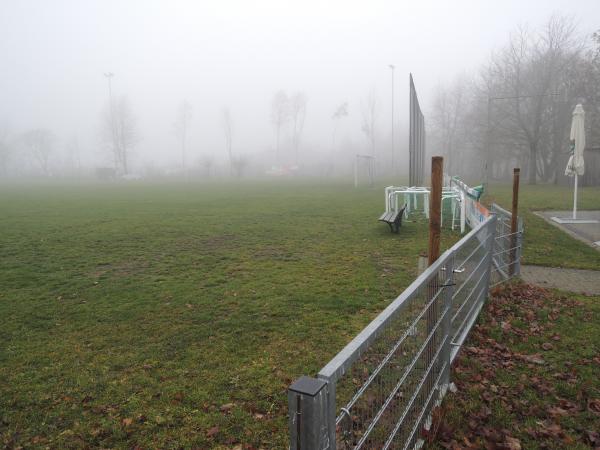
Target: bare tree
(447,118)
(227,122)
(119,133)
(73,154)
(239,165)
(127,132)
(207,163)
(181,127)
(369,119)
(298,114)
(524,76)
(5,149)
(39,142)
(340,112)
(279,116)
(518,111)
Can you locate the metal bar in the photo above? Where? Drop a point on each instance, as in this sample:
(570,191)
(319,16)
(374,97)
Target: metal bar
(389,398)
(389,355)
(424,409)
(338,365)
(471,254)
(506,250)
(410,403)
(468,297)
(470,276)
(472,315)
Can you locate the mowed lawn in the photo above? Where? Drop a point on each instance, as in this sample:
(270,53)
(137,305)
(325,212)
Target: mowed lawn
(176,315)
(544,244)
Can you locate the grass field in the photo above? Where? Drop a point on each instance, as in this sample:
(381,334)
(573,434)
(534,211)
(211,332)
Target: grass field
(176,315)
(544,245)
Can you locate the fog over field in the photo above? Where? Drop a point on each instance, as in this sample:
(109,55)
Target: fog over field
(235,56)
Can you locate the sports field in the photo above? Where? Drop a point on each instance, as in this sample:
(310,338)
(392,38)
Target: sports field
(176,314)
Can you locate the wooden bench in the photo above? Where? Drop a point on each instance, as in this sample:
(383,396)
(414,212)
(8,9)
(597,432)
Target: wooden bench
(393,219)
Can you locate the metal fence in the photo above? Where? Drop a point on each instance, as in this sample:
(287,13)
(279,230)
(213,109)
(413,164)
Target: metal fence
(378,392)
(506,262)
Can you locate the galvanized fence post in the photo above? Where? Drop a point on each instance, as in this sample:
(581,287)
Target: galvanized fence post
(447,320)
(492,229)
(519,247)
(308,414)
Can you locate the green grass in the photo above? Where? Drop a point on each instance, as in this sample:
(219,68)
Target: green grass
(544,244)
(176,315)
(528,372)
(130,314)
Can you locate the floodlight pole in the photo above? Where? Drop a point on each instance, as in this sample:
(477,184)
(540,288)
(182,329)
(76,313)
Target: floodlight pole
(488,144)
(392,67)
(109,76)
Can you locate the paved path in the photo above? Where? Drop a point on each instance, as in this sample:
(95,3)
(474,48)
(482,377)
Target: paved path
(586,232)
(572,280)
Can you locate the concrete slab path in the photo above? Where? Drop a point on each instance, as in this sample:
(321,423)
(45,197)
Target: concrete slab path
(572,280)
(586,232)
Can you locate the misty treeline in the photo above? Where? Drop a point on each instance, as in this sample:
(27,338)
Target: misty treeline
(516,111)
(119,144)
(39,151)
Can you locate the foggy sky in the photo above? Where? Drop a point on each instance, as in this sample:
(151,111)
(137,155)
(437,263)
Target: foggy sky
(218,54)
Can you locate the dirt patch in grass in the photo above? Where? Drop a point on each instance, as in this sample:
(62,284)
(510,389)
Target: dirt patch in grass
(528,376)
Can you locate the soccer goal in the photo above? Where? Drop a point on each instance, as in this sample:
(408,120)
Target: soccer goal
(364,169)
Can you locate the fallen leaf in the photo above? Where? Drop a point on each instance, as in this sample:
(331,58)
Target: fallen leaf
(512,443)
(594,405)
(227,407)
(127,421)
(212,431)
(535,358)
(547,346)
(557,411)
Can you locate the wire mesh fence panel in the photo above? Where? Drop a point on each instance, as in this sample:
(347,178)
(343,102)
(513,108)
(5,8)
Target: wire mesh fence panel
(507,247)
(472,278)
(378,395)
(382,386)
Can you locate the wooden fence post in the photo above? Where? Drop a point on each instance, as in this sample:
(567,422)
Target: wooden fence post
(514,241)
(435,208)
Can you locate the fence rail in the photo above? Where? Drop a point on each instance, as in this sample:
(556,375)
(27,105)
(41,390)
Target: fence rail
(378,392)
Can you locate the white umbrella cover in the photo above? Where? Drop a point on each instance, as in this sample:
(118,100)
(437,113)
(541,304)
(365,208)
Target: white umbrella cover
(575,166)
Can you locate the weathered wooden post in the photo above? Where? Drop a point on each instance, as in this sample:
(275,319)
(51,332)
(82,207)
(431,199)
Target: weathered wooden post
(435,208)
(514,222)
(435,215)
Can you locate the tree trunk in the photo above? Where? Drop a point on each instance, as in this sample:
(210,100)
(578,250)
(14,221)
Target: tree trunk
(532,162)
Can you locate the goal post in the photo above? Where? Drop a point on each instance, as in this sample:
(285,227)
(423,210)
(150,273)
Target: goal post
(367,164)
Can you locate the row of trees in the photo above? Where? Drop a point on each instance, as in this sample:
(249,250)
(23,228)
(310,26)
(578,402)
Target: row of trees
(119,134)
(517,110)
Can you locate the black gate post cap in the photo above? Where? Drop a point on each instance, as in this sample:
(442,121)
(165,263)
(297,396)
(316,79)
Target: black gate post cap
(307,386)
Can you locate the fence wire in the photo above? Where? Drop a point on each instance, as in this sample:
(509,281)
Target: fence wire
(507,247)
(382,386)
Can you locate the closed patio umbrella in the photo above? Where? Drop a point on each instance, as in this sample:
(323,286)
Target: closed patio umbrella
(576,166)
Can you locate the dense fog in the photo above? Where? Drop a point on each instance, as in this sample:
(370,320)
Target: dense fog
(243,88)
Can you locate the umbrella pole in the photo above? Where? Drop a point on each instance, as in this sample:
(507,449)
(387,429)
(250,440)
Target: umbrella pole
(575,199)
